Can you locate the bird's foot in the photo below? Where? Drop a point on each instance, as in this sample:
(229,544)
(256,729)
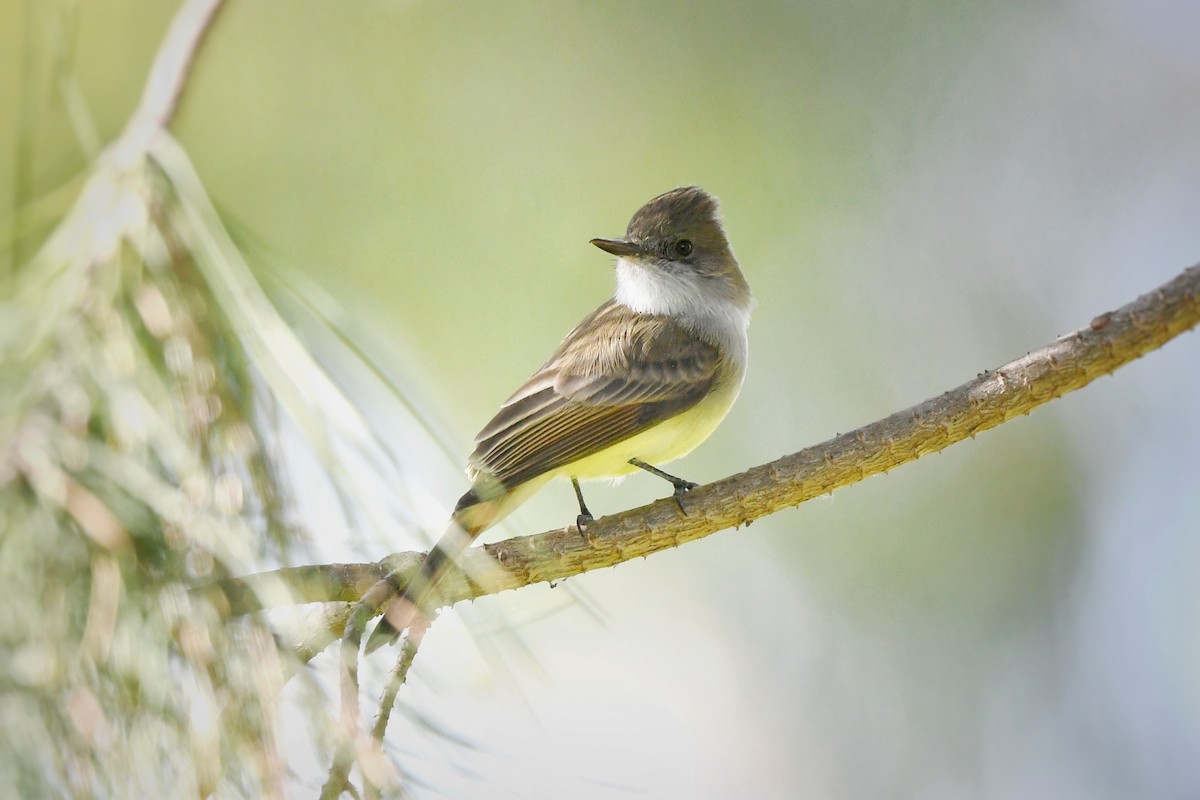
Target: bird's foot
(581,524)
(682,488)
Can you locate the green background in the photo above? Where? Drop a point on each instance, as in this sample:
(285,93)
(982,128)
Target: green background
(916,192)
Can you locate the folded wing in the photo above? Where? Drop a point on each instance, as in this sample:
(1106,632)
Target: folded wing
(617,374)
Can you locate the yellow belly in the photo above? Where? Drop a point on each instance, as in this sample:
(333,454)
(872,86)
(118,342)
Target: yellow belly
(665,442)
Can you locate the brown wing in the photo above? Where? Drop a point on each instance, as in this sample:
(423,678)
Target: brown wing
(617,374)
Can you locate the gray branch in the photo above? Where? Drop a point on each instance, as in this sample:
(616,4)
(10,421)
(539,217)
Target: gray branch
(1111,340)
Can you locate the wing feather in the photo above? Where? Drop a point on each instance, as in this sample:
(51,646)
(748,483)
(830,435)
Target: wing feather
(617,374)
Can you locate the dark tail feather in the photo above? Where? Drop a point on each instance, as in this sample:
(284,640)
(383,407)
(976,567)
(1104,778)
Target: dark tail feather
(471,517)
(431,570)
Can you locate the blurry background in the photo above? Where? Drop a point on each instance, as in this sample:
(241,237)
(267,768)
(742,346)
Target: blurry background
(916,191)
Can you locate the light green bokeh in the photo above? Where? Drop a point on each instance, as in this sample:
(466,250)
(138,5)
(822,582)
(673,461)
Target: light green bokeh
(439,168)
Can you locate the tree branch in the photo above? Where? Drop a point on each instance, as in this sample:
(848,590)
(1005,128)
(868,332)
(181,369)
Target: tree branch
(1111,340)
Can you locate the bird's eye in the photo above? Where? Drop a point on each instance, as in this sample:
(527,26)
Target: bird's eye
(683,248)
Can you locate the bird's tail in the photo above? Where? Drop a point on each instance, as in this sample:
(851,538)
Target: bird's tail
(485,504)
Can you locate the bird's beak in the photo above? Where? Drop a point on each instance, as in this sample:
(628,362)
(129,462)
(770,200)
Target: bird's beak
(618,247)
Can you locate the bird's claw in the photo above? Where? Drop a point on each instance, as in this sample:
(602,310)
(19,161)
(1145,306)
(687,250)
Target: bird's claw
(682,488)
(581,524)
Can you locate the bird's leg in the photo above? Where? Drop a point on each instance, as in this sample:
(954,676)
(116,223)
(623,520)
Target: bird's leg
(585,517)
(682,487)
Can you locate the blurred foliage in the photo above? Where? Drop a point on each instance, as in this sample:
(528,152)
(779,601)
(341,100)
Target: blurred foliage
(134,465)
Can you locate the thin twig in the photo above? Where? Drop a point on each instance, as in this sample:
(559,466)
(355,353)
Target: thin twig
(1111,340)
(399,674)
(363,611)
(408,652)
(343,759)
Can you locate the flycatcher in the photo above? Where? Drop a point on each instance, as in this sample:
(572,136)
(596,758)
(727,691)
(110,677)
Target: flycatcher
(641,381)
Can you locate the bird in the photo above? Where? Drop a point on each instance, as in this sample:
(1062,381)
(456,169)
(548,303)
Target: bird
(638,383)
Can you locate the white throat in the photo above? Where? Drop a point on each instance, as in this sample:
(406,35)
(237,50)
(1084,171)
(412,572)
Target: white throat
(684,297)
